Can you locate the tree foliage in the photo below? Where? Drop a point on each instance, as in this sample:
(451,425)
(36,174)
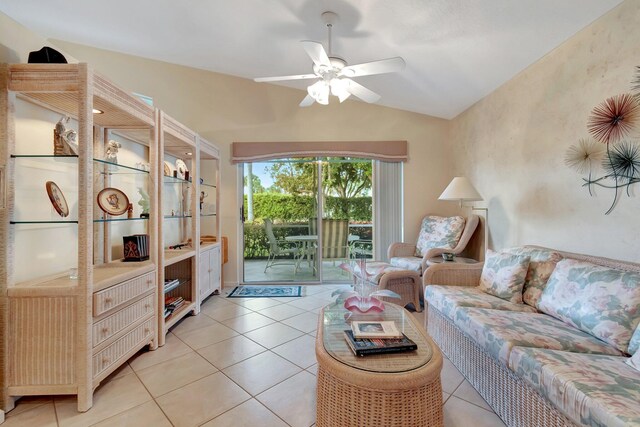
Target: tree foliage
(341,177)
(257,184)
(291,208)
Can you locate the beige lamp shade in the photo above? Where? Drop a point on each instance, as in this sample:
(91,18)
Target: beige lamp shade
(460,189)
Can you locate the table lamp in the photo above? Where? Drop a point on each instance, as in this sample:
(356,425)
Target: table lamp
(461,189)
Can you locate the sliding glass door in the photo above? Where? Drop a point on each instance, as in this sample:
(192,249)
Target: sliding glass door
(304,217)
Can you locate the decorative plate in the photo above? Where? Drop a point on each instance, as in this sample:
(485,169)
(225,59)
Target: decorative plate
(181,167)
(168,169)
(57,199)
(113,201)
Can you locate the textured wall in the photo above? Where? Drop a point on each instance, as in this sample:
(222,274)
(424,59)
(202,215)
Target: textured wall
(512,143)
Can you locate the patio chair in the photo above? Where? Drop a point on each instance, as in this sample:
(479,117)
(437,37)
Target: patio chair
(437,235)
(335,238)
(279,249)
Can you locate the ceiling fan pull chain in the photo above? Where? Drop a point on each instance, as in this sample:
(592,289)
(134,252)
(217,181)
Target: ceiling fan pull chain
(329,27)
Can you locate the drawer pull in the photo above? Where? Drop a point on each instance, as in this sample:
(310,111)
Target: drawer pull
(105,331)
(105,360)
(147,307)
(108,300)
(147,330)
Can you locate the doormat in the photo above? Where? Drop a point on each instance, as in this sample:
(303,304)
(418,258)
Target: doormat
(265,291)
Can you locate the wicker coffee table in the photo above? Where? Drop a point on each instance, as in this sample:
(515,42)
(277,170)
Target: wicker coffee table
(396,390)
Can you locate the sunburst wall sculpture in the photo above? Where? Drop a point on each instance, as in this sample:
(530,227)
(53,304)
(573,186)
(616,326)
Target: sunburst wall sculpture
(614,126)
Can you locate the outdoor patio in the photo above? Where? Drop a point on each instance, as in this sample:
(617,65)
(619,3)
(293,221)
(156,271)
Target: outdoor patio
(331,272)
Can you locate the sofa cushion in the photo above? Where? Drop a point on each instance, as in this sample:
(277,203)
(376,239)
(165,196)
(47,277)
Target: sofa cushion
(602,301)
(447,300)
(439,232)
(503,275)
(497,332)
(589,389)
(634,344)
(407,263)
(542,262)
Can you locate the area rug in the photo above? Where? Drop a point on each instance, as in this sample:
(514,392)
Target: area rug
(265,291)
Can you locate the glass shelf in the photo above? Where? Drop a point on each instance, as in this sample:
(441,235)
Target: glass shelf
(119,219)
(176,284)
(208,185)
(177,216)
(42,156)
(115,168)
(45,222)
(174,180)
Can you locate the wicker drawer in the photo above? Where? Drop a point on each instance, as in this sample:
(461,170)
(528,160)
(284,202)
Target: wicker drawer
(108,357)
(112,297)
(118,321)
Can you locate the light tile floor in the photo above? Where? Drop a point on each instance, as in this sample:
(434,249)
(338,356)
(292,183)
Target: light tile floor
(240,362)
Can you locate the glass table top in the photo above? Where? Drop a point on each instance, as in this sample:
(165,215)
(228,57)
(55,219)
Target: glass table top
(336,319)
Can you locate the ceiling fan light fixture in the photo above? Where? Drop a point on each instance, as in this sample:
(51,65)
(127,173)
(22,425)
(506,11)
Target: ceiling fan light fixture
(319,91)
(340,88)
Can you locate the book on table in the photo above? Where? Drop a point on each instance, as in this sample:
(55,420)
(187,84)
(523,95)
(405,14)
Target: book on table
(366,346)
(375,329)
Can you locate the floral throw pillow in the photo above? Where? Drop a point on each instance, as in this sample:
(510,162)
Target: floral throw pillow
(635,360)
(541,265)
(601,301)
(503,275)
(439,232)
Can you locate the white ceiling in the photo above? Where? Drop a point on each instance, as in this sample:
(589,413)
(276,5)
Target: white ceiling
(457,51)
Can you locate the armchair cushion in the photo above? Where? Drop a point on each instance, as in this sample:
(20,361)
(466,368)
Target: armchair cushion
(439,232)
(503,275)
(407,263)
(601,301)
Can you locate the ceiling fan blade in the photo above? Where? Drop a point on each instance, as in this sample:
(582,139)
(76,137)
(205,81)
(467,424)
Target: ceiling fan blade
(356,89)
(307,101)
(280,78)
(390,65)
(316,52)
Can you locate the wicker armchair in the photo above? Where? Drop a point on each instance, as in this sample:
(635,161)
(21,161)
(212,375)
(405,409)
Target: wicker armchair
(407,251)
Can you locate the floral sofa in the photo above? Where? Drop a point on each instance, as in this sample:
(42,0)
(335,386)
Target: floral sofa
(548,338)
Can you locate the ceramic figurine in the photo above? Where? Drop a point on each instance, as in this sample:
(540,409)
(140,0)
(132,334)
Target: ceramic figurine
(64,141)
(202,196)
(144,203)
(111,153)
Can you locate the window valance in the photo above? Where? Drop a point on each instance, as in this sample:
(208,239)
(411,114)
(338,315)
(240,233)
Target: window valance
(387,151)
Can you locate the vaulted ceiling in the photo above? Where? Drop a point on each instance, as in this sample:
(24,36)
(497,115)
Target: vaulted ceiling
(457,51)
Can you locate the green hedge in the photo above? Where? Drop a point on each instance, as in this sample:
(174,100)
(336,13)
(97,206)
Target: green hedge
(256,244)
(290,208)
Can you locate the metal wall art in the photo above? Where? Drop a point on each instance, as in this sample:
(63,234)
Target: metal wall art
(611,157)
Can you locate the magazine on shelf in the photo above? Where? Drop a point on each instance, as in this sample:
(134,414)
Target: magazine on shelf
(366,346)
(375,329)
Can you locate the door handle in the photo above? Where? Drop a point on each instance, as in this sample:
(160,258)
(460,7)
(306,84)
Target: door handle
(242,213)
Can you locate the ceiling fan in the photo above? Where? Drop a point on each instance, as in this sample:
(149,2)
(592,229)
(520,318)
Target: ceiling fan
(333,73)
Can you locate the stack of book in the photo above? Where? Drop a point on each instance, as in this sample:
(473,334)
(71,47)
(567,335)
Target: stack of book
(171,304)
(376,337)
